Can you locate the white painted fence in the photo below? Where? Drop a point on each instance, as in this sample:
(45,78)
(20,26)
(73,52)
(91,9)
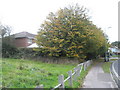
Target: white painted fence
(71,76)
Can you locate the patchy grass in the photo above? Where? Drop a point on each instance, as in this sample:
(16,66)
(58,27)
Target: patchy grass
(98,61)
(106,67)
(79,82)
(18,73)
(115,55)
(113,59)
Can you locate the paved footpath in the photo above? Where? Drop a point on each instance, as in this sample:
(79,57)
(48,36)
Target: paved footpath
(96,78)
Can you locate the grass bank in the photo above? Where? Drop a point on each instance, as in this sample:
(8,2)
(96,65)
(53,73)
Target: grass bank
(116,56)
(80,80)
(17,73)
(106,67)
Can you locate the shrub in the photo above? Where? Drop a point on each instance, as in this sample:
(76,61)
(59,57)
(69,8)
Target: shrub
(26,53)
(9,51)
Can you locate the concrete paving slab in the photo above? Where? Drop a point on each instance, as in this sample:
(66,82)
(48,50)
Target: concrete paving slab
(96,78)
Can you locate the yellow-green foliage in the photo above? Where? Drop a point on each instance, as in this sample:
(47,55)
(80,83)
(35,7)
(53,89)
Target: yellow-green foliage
(69,33)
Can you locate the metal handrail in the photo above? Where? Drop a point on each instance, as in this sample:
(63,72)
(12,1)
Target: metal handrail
(115,75)
(67,78)
(56,87)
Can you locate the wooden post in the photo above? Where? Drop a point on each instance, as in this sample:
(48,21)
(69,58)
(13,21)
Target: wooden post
(75,76)
(84,66)
(91,61)
(79,68)
(61,81)
(87,64)
(70,80)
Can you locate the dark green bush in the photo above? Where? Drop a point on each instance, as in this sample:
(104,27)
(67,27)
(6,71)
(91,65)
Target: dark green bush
(9,51)
(26,53)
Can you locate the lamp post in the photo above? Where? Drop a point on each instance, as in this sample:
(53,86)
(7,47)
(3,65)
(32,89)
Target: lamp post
(107,55)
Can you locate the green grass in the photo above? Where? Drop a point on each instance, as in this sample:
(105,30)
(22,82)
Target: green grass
(116,56)
(79,82)
(18,73)
(113,59)
(106,67)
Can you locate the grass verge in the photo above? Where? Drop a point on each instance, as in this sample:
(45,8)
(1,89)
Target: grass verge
(106,67)
(113,59)
(80,80)
(18,73)
(116,56)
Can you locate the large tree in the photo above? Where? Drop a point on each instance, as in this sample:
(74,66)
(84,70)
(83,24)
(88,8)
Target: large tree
(70,33)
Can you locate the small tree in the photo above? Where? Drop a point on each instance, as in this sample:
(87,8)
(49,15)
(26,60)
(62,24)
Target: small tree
(8,49)
(5,30)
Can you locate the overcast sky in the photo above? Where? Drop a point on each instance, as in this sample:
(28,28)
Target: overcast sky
(27,15)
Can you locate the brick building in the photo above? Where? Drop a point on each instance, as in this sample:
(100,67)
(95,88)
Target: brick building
(23,39)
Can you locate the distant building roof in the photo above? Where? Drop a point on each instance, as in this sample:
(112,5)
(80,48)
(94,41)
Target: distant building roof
(24,34)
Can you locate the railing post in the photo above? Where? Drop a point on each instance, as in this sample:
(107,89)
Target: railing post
(84,66)
(87,64)
(81,67)
(78,70)
(70,80)
(75,76)
(61,81)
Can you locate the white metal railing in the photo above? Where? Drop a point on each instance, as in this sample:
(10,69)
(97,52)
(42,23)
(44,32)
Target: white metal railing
(115,75)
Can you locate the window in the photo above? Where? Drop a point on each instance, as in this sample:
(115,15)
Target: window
(29,41)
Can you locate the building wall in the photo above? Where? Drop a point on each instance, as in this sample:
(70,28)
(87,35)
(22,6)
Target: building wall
(21,42)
